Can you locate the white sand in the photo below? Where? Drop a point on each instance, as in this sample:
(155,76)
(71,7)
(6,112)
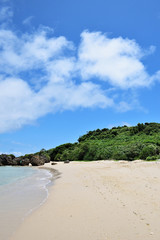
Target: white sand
(102,200)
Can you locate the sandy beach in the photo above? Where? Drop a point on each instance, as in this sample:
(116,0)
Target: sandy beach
(100,200)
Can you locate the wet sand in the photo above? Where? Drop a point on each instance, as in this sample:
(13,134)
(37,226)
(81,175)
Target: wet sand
(100,200)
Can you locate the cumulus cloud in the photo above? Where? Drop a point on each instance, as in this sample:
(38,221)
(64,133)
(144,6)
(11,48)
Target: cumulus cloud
(29,51)
(41,74)
(114,60)
(44,59)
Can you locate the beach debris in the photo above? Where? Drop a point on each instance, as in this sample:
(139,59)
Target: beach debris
(135,213)
(53,163)
(66,161)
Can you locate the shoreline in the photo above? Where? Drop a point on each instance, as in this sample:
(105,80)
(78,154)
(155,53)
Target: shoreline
(21,195)
(46,188)
(55,173)
(99,200)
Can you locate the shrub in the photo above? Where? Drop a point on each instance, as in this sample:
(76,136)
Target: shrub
(148,151)
(119,155)
(60,149)
(57,157)
(152,158)
(103,153)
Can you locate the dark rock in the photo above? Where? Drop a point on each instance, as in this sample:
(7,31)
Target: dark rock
(8,160)
(13,162)
(24,162)
(3,159)
(11,155)
(66,161)
(45,157)
(53,163)
(1,164)
(37,160)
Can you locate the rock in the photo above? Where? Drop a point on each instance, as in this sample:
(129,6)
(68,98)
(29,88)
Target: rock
(34,160)
(1,164)
(13,162)
(24,162)
(8,160)
(45,157)
(37,160)
(66,161)
(53,163)
(3,159)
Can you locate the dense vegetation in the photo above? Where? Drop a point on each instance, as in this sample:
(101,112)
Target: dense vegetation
(119,143)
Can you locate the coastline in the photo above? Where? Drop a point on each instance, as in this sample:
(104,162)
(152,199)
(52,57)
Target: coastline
(23,190)
(99,200)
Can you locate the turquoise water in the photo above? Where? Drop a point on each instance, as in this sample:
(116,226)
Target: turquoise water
(10,174)
(22,190)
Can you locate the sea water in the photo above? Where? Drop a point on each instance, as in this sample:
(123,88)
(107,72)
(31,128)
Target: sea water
(22,189)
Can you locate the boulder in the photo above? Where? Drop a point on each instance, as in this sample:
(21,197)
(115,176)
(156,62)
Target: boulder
(13,161)
(53,163)
(24,161)
(1,164)
(37,160)
(66,161)
(8,160)
(3,159)
(45,157)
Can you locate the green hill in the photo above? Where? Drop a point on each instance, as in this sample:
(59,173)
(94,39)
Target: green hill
(119,143)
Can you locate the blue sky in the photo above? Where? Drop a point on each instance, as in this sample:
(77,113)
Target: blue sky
(67,67)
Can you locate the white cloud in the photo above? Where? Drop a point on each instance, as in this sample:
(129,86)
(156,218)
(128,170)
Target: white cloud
(16,154)
(114,60)
(6,14)
(124,106)
(27,21)
(21,105)
(40,74)
(22,102)
(29,51)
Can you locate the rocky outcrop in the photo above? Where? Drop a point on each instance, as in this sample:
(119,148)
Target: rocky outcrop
(1,164)
(8,160)
(45,157)
(3,159)
(37,160)
(24,161)
(13,161)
